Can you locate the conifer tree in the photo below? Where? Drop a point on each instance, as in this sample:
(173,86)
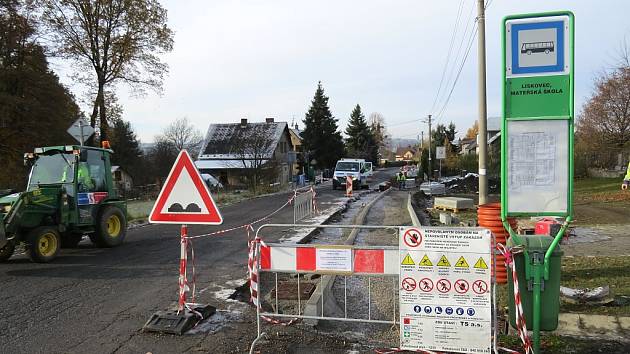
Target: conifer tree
(360,141)
(321,139)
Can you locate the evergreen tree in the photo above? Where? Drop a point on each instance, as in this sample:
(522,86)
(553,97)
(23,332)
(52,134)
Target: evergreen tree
(127,152)
(321,139)
(35,108)
(442,132)
(360,142)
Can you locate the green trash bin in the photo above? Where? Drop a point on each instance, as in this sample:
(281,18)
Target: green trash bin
(550,293)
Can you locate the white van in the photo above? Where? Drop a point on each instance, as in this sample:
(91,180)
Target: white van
(355,168)
(369,171)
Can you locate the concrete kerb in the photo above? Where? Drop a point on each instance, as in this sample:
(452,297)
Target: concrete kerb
(307,237)
(313,306)
(594,326)
(414,217)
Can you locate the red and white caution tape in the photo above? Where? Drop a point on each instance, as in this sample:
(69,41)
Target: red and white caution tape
(521,325)
(245,225)
(253,266)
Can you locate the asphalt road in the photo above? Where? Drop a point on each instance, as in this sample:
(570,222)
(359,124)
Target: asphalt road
(94,300)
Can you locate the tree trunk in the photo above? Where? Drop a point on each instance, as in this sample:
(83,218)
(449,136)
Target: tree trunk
(92,140)
(102,113)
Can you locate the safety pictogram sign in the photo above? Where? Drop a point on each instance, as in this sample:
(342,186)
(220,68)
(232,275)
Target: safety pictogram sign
(480,287)
(461,286)
(441,289)
(481,264)
(185,198)
(408,284)
(443,286)
(443,262)
(461,263)
(425,261)
(412,238)
(407,260)
(426,285)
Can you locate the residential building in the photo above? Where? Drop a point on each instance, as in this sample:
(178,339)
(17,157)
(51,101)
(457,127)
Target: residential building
(242,153)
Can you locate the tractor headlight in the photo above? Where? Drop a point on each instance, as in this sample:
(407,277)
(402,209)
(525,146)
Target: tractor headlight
(6,208)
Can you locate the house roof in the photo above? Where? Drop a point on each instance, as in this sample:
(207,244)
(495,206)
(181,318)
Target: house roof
(221,139)
(401,151)
(223,164)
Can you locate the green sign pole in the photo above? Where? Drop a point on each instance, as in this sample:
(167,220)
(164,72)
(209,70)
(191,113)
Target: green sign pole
(537,133)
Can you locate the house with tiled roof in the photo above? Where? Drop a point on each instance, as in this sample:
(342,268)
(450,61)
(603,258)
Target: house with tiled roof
(235,153)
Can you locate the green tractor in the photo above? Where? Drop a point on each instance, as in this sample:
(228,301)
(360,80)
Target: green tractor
(70,193)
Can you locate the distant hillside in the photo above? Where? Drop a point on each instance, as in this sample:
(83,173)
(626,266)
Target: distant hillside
(398,142)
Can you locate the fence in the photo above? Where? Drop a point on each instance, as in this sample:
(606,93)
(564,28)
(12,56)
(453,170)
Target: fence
(272,279)
(302,205)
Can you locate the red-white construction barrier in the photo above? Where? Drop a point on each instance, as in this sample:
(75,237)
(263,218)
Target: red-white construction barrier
(286,258)
(520,316)
(348,186)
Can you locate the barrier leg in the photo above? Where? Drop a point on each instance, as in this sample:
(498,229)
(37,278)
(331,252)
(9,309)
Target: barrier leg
(181,304)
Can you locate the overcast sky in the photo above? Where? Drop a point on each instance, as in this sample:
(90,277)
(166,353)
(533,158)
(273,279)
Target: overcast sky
(257,59)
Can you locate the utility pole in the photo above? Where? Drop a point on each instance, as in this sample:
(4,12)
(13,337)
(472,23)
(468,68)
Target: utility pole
(430,170)
(483,134)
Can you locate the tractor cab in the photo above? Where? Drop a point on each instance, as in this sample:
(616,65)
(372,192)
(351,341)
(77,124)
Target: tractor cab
(69,193)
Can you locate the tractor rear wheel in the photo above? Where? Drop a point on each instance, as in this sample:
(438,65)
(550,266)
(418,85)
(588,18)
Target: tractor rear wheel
(43,244)
(7,251)
(111,228)
(71,240)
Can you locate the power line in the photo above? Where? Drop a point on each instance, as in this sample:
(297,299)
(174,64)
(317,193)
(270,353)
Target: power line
(472,38)
(448,55)
(403,123)
(459,52)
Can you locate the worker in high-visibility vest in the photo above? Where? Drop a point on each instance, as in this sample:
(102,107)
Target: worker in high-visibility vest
(626,180)
(83,177)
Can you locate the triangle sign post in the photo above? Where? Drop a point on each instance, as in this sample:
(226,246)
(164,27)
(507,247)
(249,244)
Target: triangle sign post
(185,198)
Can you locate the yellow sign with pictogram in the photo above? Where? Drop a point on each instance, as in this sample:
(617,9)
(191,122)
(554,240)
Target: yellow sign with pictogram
(425,261)
(408,260)
(443,262)
(461,263)
(481,264)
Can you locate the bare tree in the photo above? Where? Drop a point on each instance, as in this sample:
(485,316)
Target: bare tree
(255,151)
(382,138)
(182,135)
(606,115)
(110,41)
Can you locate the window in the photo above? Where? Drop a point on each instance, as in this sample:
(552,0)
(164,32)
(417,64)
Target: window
(96,167)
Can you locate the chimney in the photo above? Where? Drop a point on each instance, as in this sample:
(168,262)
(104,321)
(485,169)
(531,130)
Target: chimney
(243,122)
(269,120)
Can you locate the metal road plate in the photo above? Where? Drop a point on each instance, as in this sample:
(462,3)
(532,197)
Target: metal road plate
(76,130)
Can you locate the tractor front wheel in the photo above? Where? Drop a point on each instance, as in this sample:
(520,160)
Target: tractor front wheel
(7,251)
(111,228)
(43,244)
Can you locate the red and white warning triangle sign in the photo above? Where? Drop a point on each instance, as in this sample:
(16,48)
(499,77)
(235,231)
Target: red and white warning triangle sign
(185,198)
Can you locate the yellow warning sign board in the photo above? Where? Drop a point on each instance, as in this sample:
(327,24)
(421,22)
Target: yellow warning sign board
(481,264)
(408,260)
(461,263)
(443,262)
(426,262)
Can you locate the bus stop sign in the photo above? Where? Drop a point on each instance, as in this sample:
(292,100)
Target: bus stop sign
(537,126)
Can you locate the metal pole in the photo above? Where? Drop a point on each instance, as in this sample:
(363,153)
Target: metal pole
(81,131)
(430,170)
(182,269)
(483,134)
